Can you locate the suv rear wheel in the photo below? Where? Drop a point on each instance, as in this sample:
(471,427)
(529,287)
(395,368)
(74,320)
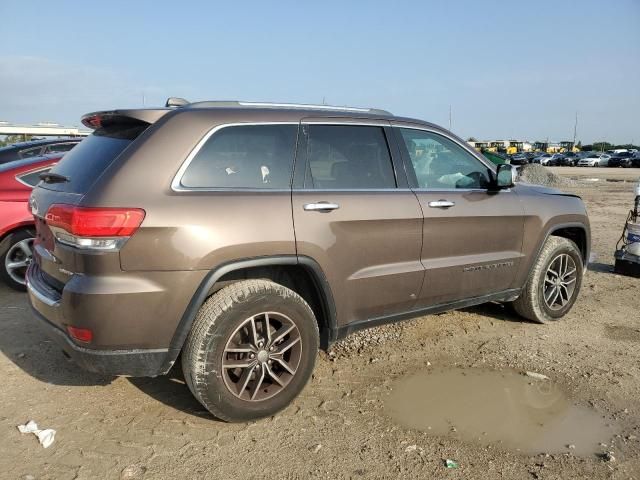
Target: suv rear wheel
(251,350)
(554,284)
(15,256)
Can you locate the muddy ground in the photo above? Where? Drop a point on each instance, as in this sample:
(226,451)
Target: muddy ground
(338,427)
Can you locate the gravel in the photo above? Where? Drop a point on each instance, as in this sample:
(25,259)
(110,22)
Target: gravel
(539,175)
(361,341)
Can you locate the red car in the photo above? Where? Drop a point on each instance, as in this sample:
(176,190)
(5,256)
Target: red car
(17,179)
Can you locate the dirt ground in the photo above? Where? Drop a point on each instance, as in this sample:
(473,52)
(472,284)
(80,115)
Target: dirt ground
(338,428)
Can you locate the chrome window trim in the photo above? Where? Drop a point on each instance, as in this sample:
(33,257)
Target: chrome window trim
(463,190)
(176,184)
(348,190)
(355,123)
(35,170)
(231,190)
(436,190)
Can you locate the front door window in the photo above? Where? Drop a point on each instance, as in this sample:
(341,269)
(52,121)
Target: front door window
(439,163)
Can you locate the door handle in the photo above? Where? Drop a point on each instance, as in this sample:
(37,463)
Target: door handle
(320,207)
(441,204)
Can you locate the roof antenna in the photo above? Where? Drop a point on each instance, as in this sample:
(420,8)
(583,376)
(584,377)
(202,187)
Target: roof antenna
(176,102)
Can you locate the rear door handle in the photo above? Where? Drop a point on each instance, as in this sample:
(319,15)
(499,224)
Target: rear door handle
(441,204)
(320,207)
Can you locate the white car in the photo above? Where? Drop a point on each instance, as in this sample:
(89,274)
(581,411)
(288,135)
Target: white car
(542,159)
(551,158)
(595,160)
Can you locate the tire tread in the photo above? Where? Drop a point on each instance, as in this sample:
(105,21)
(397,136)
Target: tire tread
(204,326)
(528,303)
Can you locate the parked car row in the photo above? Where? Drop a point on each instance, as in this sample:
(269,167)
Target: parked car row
(619,158)
(625,159)
(36,148)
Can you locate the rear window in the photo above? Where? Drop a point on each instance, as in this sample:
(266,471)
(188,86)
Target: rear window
(86,162)
(245,156)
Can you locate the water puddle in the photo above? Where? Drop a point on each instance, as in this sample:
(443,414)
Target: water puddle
(506,408)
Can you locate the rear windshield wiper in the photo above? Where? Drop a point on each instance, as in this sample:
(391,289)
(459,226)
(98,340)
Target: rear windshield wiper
(50,177)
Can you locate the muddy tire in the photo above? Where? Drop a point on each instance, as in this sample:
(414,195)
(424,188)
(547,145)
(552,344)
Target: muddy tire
(15,256)
(251,350)
(554,283)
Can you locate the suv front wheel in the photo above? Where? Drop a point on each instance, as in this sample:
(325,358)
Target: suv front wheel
(554,283)
(251,350)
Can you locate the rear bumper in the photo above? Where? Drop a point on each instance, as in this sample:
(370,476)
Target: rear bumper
(132,317)
(134,363)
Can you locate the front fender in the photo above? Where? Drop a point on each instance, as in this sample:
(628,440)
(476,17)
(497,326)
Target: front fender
(546,214)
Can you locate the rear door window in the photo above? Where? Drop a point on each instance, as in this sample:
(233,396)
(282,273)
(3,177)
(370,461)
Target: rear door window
(244,156)
(86,162)
(347,157)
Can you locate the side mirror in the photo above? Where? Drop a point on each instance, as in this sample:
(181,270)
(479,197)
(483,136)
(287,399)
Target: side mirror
(506,176)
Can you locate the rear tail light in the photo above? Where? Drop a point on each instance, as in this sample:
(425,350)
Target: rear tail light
(81,334)
(95,228)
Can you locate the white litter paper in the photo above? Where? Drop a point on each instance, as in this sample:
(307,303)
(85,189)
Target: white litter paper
(46,437)
(537,376)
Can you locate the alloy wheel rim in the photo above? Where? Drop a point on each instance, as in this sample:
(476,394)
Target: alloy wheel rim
(261,356)
(560,282)
(18,259)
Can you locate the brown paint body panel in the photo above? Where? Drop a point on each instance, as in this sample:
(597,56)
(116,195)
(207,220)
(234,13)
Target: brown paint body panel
(200,231)
(547,210)
(369,249)
(383,252)
(125,311)
(472,248)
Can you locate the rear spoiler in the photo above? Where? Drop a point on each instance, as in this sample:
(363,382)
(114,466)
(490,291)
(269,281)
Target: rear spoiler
(110,117)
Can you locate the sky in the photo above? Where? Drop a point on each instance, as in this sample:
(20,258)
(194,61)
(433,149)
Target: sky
(505,69)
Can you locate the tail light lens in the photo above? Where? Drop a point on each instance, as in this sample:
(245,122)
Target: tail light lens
(87,227)
(81,334)
(95,222)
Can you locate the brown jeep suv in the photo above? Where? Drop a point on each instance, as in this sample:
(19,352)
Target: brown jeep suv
(241,237)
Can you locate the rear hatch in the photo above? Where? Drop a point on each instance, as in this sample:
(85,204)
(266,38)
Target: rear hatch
(56,259)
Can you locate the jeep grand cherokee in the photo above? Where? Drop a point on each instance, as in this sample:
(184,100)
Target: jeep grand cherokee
(243,237)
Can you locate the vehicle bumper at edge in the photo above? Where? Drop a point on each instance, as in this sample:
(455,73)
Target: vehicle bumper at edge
(127,339)
(135,363)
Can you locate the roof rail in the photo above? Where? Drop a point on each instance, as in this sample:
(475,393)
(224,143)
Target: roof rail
(301,106)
